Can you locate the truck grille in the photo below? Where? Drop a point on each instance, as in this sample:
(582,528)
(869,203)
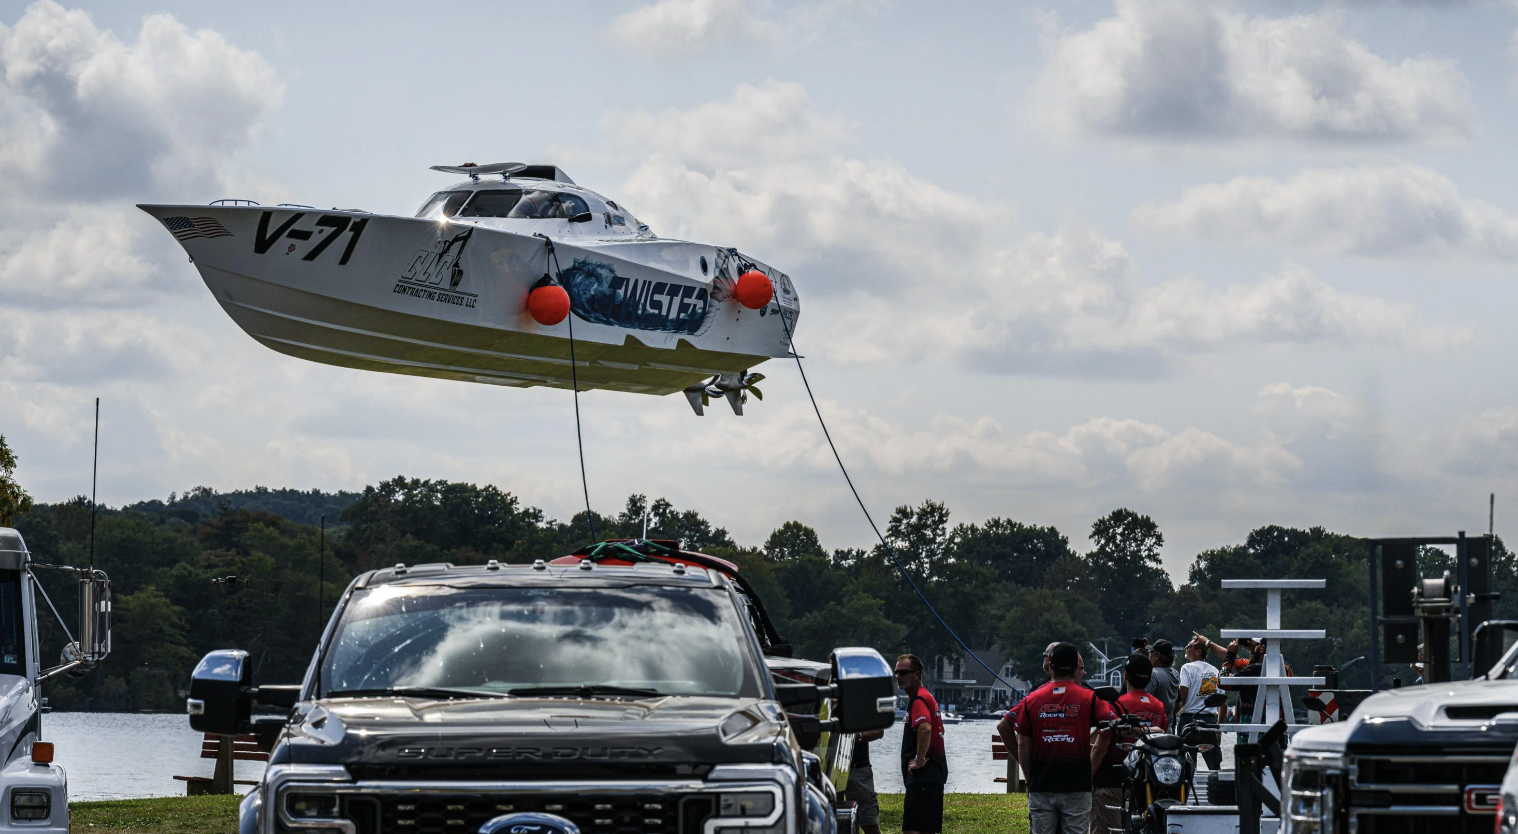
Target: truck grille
(454,813)
(1393,794)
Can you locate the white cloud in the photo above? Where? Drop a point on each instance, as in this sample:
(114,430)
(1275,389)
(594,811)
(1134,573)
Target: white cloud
(1114,455)
(1308,401)
(85,114)
(903,268)
(1200,70)
(95,256)
(1380,211)
(89,121)
(1068,304)
(686,27)
(87,347)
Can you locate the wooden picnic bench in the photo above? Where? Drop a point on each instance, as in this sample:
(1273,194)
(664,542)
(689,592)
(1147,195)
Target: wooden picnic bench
(1014,777)
(225,750)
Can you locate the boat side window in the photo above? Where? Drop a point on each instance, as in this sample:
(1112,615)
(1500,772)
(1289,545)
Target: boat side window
(573,204)
(538,205)
(12,634)
(443,204)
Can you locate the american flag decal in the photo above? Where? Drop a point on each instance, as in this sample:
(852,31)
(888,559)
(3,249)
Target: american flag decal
(186,228)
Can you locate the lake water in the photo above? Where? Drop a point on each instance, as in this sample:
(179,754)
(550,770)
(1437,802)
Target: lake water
(113,755)
(126,755)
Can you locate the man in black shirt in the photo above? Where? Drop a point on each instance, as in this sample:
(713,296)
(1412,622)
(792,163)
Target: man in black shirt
(861,787)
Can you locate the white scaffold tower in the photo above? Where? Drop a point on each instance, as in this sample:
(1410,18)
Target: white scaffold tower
(1273,696)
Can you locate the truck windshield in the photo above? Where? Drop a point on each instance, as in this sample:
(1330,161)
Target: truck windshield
(674,641)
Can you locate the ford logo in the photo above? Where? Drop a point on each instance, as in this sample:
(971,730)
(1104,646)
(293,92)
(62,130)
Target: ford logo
(529,824)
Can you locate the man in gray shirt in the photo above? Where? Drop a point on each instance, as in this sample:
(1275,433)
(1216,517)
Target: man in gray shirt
(1165,682)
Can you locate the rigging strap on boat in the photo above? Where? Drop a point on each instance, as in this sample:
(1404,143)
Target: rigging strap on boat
(860,501)
(574,376)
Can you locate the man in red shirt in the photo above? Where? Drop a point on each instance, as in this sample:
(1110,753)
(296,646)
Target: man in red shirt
(1107,785)
(1054,744)
(924,769)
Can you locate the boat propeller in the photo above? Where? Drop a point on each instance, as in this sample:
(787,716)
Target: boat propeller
(735,387)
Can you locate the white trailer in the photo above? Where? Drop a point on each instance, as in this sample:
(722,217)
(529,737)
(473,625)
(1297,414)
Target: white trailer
(34,788)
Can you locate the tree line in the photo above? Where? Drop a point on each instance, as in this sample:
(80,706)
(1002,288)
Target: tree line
(206,570)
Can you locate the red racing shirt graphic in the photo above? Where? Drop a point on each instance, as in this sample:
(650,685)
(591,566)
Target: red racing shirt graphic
(1058,718)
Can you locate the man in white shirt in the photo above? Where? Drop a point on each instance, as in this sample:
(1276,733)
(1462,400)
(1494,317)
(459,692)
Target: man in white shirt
(1198,680)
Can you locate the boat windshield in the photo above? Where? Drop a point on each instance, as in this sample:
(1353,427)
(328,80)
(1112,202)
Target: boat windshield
(635,640)
(12,635)
(523,204)
(443,204)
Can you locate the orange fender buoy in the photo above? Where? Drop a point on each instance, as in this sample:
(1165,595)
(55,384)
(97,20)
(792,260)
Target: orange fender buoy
(754,289)
(548,305)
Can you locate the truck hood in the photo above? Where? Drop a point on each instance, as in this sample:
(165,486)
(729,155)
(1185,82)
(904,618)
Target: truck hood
(1472,714)
(396,737)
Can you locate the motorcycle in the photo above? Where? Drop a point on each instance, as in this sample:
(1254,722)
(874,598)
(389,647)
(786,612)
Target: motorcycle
(1160,766)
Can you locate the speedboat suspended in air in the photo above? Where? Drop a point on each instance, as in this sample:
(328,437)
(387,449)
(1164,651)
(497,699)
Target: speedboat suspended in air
(480,286)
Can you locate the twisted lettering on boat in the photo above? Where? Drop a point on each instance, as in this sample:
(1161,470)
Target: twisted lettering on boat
(599,295)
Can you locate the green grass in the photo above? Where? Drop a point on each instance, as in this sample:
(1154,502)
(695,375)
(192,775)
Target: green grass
(161,815)
(966,813)
(963,813)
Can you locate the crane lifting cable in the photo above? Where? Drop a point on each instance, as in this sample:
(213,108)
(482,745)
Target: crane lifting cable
(574,375)
(862,508)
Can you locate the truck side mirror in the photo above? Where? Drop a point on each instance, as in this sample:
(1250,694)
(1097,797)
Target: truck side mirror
(94,616)
(219,701)
(1491,642)
(865,687)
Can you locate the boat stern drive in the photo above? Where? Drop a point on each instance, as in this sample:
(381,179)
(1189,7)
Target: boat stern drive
(487,283)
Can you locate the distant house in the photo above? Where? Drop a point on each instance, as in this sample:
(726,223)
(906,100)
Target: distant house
(968,686)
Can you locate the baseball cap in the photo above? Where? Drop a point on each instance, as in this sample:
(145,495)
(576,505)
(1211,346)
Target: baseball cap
(1064,657)
(1163,646)
(1138,668)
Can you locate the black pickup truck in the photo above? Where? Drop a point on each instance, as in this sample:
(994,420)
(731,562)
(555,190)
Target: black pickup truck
(576,698)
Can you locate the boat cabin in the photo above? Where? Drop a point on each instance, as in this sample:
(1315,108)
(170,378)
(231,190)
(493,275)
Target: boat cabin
(532,199)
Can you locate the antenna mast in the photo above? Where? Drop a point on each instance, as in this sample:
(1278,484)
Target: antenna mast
(321,601)
(1491,514)
(94,482)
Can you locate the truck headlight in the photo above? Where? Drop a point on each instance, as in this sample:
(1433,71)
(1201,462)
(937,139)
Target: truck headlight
(756,804)
(1168,770)
(31,805)
(311,805)
(749,811)
(1311,802)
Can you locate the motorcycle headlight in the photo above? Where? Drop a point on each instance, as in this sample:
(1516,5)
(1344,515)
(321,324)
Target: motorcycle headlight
(1168,770)
(1311,803)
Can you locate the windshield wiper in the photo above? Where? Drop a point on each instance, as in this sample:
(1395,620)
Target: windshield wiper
(417,691)
(587,690)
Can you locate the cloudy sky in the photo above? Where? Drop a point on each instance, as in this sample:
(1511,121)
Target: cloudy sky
(1226,264)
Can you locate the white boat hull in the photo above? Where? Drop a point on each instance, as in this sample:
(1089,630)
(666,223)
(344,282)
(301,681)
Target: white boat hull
(448,299)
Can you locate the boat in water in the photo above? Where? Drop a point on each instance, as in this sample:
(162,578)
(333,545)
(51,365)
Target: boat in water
(486,281)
